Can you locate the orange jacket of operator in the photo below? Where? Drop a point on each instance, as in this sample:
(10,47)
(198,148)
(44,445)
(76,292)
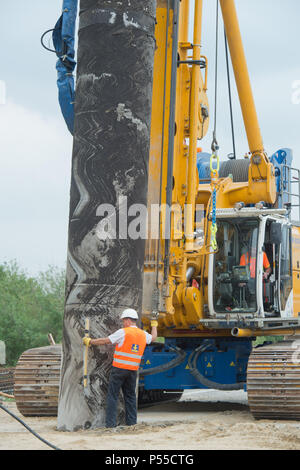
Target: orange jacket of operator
(252,262)
(129,355)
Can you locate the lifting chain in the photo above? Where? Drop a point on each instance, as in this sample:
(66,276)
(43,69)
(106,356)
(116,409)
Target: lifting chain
(214,178)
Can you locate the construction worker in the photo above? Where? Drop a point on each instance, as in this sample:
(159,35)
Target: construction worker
(130,344)
(251,261)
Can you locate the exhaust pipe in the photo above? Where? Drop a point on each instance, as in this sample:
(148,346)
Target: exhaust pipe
(242,333)
(246,333)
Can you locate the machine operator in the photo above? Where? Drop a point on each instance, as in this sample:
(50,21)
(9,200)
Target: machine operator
(251,261)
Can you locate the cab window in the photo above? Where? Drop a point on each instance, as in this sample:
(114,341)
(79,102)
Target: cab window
(234,285)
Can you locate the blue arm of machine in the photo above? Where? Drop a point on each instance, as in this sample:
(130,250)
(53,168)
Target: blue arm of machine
(64,42)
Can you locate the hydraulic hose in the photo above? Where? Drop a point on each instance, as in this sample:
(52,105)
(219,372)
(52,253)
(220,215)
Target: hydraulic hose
(181,355)
(192,362)
(28,428)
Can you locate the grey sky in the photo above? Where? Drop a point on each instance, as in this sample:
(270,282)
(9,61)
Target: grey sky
(36,148)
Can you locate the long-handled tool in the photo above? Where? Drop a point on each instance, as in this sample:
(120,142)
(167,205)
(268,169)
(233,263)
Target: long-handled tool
(86,352)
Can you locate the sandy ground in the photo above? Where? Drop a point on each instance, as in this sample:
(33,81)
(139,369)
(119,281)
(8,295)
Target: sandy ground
(200,420)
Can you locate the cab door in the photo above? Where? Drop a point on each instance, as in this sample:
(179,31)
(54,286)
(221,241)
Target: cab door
(285,273)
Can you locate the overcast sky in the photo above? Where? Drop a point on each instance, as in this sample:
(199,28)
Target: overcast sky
(36,148)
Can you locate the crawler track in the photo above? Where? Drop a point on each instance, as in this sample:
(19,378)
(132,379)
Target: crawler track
(37,376)
(273,382)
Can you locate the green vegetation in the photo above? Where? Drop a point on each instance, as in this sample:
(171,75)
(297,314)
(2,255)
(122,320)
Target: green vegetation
(269,339)
(30,308)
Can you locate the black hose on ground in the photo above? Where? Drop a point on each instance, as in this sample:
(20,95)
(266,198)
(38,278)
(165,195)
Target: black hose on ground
(181,355)
(192,362)
(28,428)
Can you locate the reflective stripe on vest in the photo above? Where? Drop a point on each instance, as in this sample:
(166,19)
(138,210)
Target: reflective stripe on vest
(129,355)
(131,363)
(135,356)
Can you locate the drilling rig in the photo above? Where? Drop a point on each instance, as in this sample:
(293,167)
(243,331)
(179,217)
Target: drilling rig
(211,305)
(222,268)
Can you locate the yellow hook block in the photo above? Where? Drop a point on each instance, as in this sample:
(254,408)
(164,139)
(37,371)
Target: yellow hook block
(214,171)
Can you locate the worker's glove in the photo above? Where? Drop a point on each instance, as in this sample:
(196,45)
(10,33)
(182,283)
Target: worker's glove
(87,341)
(154,323)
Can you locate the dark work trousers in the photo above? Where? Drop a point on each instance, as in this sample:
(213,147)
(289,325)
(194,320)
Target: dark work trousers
(125,380)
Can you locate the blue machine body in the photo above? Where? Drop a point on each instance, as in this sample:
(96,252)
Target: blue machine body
(203,166)
(282,161)
(225,362)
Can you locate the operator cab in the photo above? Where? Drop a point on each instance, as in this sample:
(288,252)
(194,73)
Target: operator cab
(251,273)
(235,266)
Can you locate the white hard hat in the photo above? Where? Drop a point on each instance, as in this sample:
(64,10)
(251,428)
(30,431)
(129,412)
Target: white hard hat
(130,313)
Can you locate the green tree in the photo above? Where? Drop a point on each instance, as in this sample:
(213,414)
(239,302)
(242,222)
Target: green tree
(30,308)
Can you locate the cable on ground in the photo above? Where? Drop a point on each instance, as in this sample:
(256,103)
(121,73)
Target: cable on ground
(28,427)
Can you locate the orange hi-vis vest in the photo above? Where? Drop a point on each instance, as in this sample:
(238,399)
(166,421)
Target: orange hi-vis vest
(245,260)
(129,355)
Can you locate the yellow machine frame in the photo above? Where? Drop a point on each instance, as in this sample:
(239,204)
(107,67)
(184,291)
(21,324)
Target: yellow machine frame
(180,305)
